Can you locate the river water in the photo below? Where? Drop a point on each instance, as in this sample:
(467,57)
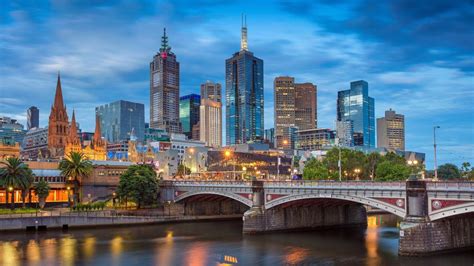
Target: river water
(215,243)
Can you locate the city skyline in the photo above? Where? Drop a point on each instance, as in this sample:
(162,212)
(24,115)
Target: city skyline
(428,81)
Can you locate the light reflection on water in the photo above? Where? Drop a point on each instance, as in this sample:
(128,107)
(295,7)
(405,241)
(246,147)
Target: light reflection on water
(214,243)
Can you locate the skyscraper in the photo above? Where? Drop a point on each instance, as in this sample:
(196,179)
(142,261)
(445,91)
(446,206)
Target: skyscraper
(355,105)
(244,95)
(211,91)
(119,118)
(391,131)
(295,107)
(32,117)
(211,123)
(164,89)
(58,125)
(189,113)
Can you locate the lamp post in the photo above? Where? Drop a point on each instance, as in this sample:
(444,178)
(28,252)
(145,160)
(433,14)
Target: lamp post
(413,164)
(228,154)
(244,169)
(435,159)
(357,171)
(113,199)
(10,188)
(69,196)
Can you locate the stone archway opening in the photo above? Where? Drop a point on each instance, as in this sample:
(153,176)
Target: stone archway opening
(211,204)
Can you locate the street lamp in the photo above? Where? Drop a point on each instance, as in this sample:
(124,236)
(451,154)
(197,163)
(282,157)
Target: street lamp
(228,154)
(113,199)
(434,145)
(357,171)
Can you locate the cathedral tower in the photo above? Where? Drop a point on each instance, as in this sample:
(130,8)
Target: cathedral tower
(58,124)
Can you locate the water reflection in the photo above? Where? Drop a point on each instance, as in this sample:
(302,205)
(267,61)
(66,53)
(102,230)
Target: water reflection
(215,243)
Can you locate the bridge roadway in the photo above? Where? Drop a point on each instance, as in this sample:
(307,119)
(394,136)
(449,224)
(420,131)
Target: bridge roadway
(436,216)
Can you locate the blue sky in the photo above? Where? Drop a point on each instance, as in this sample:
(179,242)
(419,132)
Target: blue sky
(418,59)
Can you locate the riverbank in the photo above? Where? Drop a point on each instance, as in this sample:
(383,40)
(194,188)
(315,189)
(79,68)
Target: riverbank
(85,220)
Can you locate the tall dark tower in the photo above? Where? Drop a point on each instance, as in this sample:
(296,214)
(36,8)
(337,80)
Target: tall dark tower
(244,95)
(32,117)
(164,89)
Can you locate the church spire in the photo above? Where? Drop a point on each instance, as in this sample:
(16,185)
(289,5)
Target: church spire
(97,133)
(243,40)
(73,128)
(58,97)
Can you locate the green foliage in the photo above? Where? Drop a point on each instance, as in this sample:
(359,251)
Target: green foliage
(74,167)
(140,184)
(183,170)
(390,171)
(42,189)
(315,170)
(96,206)
(13,173)
(448,171)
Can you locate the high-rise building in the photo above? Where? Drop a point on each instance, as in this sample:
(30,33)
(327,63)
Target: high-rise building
(355,105)
(32,117)
(210,130)
(391,131)
(269,136)
(211,91)
(244,95)
(119,118)
(164,89)
(315,139)
(189,113)
(58,125)
(295,106)
(12,130)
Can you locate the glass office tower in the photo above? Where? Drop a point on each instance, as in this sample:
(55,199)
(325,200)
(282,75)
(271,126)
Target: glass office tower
(117,120)
(189,113)
(244,96)
(356,106)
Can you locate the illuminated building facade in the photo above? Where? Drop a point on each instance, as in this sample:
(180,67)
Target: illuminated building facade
(295,107)
(244,95)
(164,89)
(211,123)
(189,113)
(356,106)
(391,131)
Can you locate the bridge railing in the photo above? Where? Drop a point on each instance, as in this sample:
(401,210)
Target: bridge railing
(335,184)
(448,186)
(225,183)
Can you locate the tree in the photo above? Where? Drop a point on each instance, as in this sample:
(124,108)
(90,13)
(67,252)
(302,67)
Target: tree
(183,170)
(25,183)
(389,171)
(448,171)
(350,161)
(75,167)
(373,159)
(315,170)
(466,170)
(11,174)
(42,191)
(140,184)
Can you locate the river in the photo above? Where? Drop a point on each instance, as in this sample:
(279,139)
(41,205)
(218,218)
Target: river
(215,243)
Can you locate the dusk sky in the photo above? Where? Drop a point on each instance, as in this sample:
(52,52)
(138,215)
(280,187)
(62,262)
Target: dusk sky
(418,59)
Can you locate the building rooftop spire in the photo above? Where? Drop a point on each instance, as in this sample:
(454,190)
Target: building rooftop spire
(73,128)
(97,133)
(58,97)
(164,42)
(243,40)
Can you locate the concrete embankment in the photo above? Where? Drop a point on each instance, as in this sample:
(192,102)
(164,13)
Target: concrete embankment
(78,220)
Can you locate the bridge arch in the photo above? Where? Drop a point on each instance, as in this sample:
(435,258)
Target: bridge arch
(245,201)
(452,211)
(401,212)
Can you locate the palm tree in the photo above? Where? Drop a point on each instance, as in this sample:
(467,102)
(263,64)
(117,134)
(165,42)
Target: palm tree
(75,166)
(25,182)
(11,173)
(42,191)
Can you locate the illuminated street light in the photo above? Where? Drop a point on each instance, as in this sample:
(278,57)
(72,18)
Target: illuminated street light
(244,168)
(10,188)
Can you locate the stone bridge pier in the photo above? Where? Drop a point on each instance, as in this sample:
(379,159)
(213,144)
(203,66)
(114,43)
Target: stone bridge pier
(300,215)
(420,235)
